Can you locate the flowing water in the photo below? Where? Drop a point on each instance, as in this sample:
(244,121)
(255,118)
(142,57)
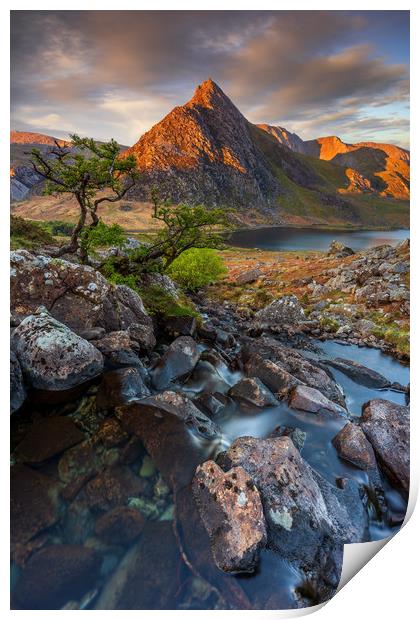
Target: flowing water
(279,238)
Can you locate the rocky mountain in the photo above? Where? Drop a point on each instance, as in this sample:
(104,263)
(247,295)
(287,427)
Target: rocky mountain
(369,166)
(207,152)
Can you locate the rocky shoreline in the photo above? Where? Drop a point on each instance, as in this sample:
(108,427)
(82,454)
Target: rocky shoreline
(122,458)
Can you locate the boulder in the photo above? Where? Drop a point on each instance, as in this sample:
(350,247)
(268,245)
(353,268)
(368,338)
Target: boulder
(247,277)
(253,391)
(56,575)
(352,446)
(339,250)
(387,427)
(212,404)
(111,488)
(120,525)
(231,510)
(177,362)
(17,386)
(297,435)
(272,375)
(180,326)
(47,438)
(144,335)
(51,356)
(283,311)
(120,386)
(309,399)
(359,373)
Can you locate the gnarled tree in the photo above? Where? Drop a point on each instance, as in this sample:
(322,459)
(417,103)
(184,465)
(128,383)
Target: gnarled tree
(93,172)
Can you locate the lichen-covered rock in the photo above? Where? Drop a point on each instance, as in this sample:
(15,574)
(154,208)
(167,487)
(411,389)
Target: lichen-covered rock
(339,250)
(144,335)
(283,311)
(253,391)
(51,356)
(55,575)
(120,386)
(47,438)
(353,446)
(387,426)
(17,386)
(231,510)
(309,399)
(176,363)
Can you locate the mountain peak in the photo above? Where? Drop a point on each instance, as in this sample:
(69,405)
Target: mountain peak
(208,95)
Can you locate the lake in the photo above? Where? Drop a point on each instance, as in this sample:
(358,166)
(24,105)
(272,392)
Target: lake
(279,238)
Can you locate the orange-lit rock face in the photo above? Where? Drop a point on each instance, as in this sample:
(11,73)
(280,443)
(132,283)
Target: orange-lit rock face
(28,137)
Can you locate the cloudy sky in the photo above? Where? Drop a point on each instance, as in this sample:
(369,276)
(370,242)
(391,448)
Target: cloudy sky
(115,73)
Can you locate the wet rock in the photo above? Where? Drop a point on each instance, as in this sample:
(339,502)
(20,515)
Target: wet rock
(253,391)
(309,399)
(283,311)
(246,277)
(34,504)
(339,250)
(177,362)
(359,373)
(387,427)
(273,376)
(140,582)
(47,438)
(293,362)
(352,445)
(120,525)
(180,326)
(297,435)
(231,509)
(113,341)
(207,331)
(211,404)
(52,357)
(120,386)
(183,408)
(144,335)
(56,575)
(17,387)
(112,488)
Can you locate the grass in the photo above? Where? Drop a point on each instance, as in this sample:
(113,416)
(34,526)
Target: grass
(27,234)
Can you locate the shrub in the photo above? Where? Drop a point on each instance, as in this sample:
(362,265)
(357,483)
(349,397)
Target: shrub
(196,268)
(102,235)
(58,228)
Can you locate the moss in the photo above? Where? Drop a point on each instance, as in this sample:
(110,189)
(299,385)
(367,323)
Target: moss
(28,234)
(160,303)
(329,324)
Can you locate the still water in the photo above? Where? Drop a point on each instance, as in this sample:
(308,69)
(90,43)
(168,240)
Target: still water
(278,238)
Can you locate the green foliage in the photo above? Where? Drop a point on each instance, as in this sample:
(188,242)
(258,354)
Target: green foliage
(58,228)
(162,304)
(101,235)
(196,268)
(28,234)
(329,323)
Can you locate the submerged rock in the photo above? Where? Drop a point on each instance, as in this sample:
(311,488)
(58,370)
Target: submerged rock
(120,525)
(352,445)
(387,426)
(283,311)
(253,391)
(309,399)
(112,488)
(47,438)
(56,575)
(52,357)
(359,373)
(176,363)
(231,510)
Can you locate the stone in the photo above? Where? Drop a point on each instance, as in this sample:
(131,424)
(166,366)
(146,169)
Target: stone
(359,373)
(387,427)
(271,375)
(120,386)
(297,435)
(247,277)
(51,356)
(177,362)
(47,438)
(309,399)
(180,326)
(113,341)
(55,575)
(211,404)
(34,504)
(111,488)
(231,510)
(352,446)
(253,391)
(283,311)
(120,526)
(339,250)
(17,386)
(144,335)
